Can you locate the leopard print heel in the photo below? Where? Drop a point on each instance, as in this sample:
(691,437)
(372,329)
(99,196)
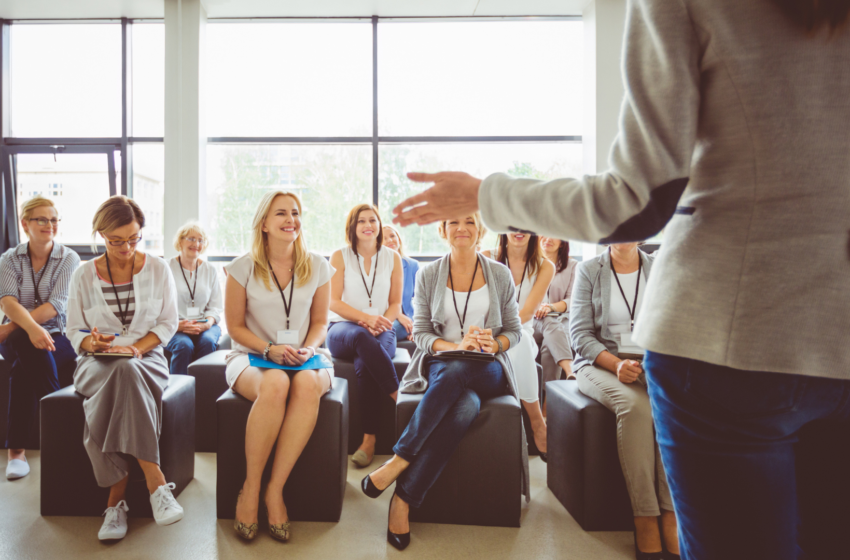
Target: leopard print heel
(244,530)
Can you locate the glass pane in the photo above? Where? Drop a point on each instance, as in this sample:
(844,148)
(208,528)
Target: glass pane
(329,179)
(66,80)
(289,79)
(502,78)
(77,184)
(542,161)
(148,192)
(148,79)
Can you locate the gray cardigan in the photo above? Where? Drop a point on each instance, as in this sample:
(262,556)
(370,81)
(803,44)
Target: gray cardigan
(591,300)
(429,321)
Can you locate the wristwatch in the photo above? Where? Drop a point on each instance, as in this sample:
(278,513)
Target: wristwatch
(266,351)
(499,342)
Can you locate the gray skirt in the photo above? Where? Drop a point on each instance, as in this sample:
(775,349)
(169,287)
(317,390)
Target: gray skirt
(123,409)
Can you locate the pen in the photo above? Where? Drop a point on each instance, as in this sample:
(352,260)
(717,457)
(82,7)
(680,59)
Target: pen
(107,334)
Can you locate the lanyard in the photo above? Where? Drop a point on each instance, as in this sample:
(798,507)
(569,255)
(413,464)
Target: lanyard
(521,280)
(35,284)
(633,308)
(374,275)
(191,289)
(286,306)
(468,295)
(122,312)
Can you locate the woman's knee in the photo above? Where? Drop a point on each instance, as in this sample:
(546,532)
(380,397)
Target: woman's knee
(306,386)
(274,386)
(467,407)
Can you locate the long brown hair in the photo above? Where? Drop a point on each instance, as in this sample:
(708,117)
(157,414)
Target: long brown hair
(351,225)
(532,253)
(814,14)
(563,256)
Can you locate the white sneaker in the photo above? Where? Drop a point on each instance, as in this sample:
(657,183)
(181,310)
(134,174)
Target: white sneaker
(17,468)
(115,525)
(166,510)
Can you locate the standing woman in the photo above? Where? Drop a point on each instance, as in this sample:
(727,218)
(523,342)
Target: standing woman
(365,300)
(463,302)
(199,300)
(553,333)
(123,302)
(520,252)
(34,280)
(276,306)
(403,325)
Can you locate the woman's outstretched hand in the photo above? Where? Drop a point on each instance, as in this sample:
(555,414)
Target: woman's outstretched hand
(453,196)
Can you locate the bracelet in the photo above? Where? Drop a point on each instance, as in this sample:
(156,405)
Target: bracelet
(499,342)
(313,350)
(266,351)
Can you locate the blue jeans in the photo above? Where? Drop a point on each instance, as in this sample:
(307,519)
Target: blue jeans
(449,407)
(34,374)
(185,348)
(373,366)
(400,332)
(757,462)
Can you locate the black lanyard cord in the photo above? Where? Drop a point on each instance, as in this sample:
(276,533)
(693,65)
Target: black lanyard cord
(35,284)
(195,287)
(122,312)
(468,295)
(521,280)
(286,306)
(633,308)
(369,291)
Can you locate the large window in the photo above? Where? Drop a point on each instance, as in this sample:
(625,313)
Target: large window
(291,106)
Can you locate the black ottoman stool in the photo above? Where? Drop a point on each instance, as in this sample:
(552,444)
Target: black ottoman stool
(68,486)
(408,345)
(584,469)
(482,482)
(386,436)
(210,383)
(316,485)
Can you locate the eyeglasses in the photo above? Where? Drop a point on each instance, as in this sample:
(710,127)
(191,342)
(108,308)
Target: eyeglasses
(194,240)
(133,241)
(44,221)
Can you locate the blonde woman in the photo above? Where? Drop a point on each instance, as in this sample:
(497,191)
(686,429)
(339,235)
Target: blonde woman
(34,280)
(365,300)
(276,306)
(123,302)
(403,325)
(199,300)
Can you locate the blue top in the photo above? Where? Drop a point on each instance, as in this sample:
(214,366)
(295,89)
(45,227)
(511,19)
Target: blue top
(411,267)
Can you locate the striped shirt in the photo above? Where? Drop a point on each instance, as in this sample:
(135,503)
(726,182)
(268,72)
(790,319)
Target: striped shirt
(124,291)
(54,278)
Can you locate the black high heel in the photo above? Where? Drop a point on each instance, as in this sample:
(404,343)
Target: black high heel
(640,555)
(398,541)
(369,487)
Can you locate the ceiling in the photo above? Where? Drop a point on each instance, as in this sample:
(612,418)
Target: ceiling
(61,9)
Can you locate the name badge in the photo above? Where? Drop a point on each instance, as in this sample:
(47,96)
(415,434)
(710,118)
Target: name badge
(371,311)
(193,312)
(123,341)
(288,337)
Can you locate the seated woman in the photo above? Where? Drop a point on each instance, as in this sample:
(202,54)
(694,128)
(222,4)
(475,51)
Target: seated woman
(552,334)
(606,300)
(123,302)
(403,325)
(520,252)
(34,280)
(276,306)
(199,300)
(365,300)
(463,301)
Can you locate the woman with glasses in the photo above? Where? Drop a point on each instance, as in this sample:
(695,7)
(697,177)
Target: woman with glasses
(365,301)
(124,303)
(199,300)
(34,279)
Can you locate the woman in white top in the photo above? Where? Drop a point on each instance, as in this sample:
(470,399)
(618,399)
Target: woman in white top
(276,306)
(520,252)
(366,295)
(199,300)
(123,302)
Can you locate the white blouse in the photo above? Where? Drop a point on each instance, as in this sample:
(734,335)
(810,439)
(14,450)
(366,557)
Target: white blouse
(204,281)
(156,304)
(476,313)
(354,292)
(619,320)
(265,313)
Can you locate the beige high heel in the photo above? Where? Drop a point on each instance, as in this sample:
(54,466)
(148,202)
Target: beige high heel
(280,532)
(244,530)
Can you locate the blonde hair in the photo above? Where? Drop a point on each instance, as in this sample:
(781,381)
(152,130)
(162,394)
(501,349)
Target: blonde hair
(30,205)
(115,212)
(398,236)
(479,223)
(259,243)
(184,232)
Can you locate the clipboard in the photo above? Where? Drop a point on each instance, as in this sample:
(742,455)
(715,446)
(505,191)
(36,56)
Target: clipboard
(111,354)
(319,361)
(466,355)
